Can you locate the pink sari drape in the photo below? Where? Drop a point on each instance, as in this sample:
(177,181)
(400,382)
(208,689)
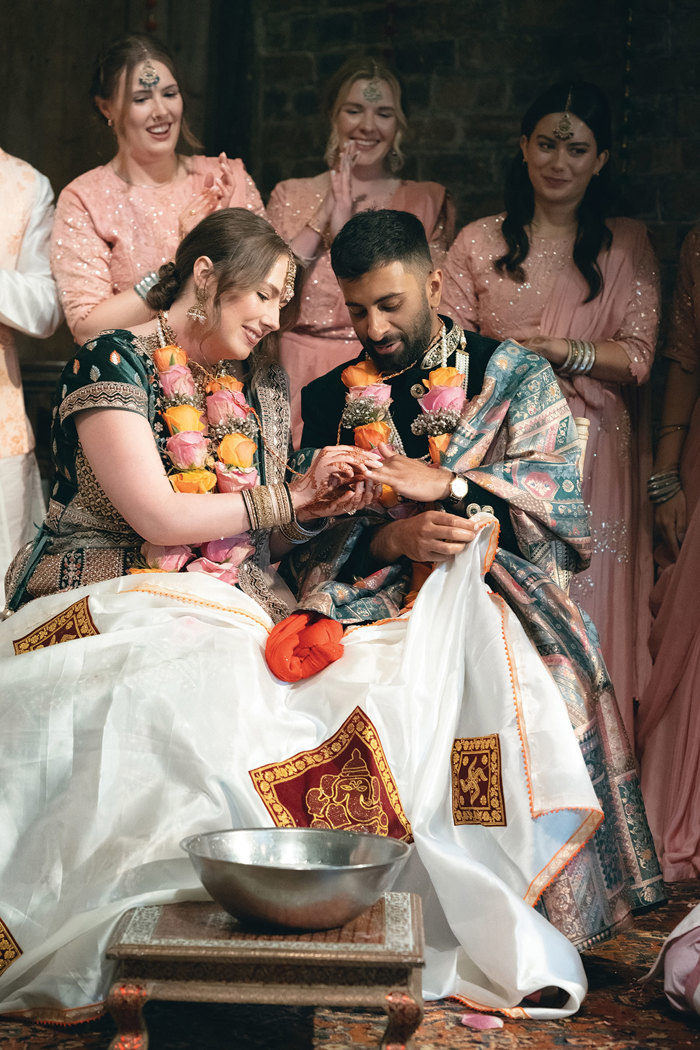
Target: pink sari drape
(668,724)
(618,462)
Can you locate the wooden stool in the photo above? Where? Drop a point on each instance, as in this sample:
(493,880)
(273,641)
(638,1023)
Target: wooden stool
(195,952)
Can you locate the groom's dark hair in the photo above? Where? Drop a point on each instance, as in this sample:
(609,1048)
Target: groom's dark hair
(378,238)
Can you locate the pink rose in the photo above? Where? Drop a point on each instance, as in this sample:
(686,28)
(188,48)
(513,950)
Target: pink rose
(226,572)
(229,479)
(225,405)
(379,393)
(167,559)
(451,398)
(231,549)
(187,450)
(177,380)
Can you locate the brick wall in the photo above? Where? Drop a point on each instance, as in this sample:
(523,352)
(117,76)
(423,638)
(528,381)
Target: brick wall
(470,68)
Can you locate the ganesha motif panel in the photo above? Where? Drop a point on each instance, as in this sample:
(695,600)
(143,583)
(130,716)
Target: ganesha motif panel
(343,784)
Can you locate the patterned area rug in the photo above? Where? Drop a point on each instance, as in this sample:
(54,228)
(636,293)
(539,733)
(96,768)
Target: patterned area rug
(619,1013)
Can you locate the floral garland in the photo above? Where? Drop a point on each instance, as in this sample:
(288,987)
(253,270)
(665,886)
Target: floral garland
(366,411)
(211,449)
(441,406)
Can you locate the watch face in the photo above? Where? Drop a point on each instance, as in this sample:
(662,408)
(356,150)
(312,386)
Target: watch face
(458,487)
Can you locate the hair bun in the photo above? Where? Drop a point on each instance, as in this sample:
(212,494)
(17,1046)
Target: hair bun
(163,295)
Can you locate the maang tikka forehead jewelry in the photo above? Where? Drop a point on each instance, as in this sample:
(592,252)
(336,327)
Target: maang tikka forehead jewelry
(372,91)
(564,129)
(148,78)
(288,290)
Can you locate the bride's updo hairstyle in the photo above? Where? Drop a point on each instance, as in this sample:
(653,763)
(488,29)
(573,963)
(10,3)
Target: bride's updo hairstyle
(243,248)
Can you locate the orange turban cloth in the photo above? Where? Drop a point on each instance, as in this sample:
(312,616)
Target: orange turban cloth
(303,644)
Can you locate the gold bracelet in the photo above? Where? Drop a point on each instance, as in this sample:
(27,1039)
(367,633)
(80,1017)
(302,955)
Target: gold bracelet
(269,506)
(325,240)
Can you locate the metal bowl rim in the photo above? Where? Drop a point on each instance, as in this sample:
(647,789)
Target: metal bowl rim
(406,848)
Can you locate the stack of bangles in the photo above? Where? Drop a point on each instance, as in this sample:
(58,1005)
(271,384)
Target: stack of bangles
(270,507)
(145,284)
(664,485)
(580,358)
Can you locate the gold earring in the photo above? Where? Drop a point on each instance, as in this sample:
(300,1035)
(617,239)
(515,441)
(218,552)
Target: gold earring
(110,122)
(198,310)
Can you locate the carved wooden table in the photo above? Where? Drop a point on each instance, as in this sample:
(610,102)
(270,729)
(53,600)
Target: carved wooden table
(195,952)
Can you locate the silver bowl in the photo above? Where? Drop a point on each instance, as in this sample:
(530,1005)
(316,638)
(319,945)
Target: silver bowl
(299,878)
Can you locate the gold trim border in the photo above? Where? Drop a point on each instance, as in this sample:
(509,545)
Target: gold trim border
(265,778)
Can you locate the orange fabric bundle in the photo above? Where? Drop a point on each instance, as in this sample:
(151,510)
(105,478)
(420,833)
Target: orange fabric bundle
(303,644)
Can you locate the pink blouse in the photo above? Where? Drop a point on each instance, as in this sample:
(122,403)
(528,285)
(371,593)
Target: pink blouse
(108,234)
(293,203)
(484,300)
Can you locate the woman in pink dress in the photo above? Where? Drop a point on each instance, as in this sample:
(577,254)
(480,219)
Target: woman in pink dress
(581,290)
(363,157)
(118,223)
(668,730)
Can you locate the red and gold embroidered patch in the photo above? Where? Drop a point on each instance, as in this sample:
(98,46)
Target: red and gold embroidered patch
(73,622)
(9,948)
(477,785)
(345,783)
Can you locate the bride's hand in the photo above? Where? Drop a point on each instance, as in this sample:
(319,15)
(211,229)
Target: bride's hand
(411,478)
(333,476)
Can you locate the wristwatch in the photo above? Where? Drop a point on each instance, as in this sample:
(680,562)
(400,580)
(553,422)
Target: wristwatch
(459,486)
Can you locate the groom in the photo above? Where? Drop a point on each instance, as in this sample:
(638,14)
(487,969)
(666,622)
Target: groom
(506,444)
(383,264)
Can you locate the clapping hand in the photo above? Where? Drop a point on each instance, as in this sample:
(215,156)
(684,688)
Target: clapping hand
(217,192)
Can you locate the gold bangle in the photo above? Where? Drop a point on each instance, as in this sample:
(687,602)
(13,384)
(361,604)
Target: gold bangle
(322,234)
(269,506)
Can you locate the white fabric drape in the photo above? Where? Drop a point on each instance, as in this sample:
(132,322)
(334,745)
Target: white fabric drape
(119,745)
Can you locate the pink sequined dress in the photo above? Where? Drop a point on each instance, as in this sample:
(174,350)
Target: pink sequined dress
(108,233)
(324,336)
(668,722)
(615,590)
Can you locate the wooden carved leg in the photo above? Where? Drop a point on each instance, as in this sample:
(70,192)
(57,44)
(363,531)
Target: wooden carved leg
(125,1002)
(405,1014)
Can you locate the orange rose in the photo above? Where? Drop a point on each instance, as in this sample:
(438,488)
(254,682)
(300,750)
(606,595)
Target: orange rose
(193,481)
(443,377)
(237,451)
(370,435)
(224,383)
(362,374)
(388,497)
(437,446)
(180,418)
(167,356)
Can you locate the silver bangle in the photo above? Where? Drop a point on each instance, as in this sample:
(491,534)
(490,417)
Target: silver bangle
(295,532)
(664,486)
(580,358)
(143,287)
